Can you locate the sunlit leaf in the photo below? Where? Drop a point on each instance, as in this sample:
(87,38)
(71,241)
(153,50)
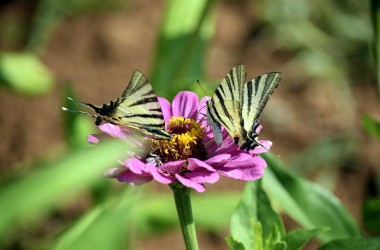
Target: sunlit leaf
(233,244)
(297,239)
(253,208)
(186,28)
(308,203)
(24,73)
(371,126)
(29,198)
(104,227)
(367,244)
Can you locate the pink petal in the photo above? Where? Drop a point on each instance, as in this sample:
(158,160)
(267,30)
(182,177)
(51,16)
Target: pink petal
(202,177)
(92,139)
(254,161)
(185,104)
(241,156)
(244,174)
(113,130)
(172,167)
(158,175)
(260,149)
(166,109)
(135,165)
(132,178)
(191,184)
(220,158)
(196,164)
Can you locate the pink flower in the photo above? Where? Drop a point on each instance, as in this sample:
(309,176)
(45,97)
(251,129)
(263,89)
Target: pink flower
(191,158)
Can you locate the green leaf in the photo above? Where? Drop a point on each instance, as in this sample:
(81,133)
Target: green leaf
(233,244)
(157,213)
(185,32)
(25,74)
(371,215)
(104,227)
(308,203)
(371,126)
(367,244)
(274,239)
(296,239)
(31,197)
(254,207)
(77,126)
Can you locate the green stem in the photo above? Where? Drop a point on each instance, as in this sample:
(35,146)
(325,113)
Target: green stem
(183,204)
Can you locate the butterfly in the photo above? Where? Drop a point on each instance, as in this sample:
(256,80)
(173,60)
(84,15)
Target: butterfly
(137,108)
(237,105)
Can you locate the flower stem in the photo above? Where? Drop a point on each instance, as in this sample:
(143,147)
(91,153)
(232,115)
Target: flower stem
(183,204)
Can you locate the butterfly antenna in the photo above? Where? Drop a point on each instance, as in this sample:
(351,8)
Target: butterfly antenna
(79,111)
(200,85)
(88,105)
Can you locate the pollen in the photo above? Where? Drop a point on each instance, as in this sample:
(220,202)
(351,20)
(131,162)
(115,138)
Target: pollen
(186,142)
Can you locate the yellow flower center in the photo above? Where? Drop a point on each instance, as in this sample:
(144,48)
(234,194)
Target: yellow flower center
(186,142)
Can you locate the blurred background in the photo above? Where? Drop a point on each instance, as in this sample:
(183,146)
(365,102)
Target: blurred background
(320,119)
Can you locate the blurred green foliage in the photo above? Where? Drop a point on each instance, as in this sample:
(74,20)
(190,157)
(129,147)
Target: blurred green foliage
(371,126)
(326,36)
(25,74)
(184,35)
(255,225)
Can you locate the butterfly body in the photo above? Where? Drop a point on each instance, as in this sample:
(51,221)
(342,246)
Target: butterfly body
(137,108)
(237,106)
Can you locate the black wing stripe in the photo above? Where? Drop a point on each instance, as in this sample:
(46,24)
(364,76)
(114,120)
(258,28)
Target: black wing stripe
(249,95)
(144,101)
(148,125)
(156,116)
(270,81)
(224,109)
(137,82)
(230,84)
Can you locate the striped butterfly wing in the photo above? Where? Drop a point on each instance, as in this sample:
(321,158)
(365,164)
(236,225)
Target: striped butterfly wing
(255,96)
(224,107)
(138,108)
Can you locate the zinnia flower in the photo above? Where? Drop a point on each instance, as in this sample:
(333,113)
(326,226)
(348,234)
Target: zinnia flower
(191,158)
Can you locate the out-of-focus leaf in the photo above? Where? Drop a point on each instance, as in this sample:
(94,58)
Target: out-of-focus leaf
(254,207)
(296,239)
(233,244)
(157,213)
(49,15)
(328,152)
(274,240)
(375,10)
(371,215)
(367,244)
(28,199)
(24,73)
(308,203)
(371,126)
(104,227)
(77,126)
(185,31)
